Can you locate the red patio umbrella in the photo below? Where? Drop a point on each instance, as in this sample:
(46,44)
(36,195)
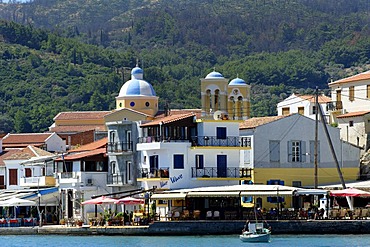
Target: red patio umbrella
(130,201)
(100,200)
(349,192)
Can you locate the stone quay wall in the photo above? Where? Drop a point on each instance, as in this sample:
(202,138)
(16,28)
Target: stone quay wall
(177,228)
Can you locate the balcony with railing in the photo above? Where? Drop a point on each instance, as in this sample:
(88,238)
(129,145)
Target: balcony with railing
(214,172)
(149,139)
(154,173)
(42,181)
(230,141)
(334,106)
(119,147)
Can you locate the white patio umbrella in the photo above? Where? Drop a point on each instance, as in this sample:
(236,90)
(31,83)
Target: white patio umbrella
(17,202)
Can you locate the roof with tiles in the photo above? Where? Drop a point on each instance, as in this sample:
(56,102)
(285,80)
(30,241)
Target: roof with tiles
(359,77)
(172,112)
(81,115)
(258,121)
(91,146)
(27,153)
(77,128)
(168,119)
(6,154)
(354,114)
(311,98)
(26,138)
(77,156)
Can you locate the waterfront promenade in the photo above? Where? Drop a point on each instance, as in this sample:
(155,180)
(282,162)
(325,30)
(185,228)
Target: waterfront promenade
(205,227)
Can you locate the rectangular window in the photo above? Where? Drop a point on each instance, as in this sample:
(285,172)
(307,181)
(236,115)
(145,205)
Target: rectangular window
(221,132)
(286,111)
(274,151)
(199,161)
(351,93)
(296,151)
(129,140)
(314,109)
(351,123)
(178,161)
(301,110)
(368,91)
(28,172)
(13,177)
(296,183)
(128,171)
(339,95)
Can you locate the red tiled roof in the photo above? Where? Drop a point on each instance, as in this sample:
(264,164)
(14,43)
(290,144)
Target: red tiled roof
(77,128)
(7,153)
(311,98)
(91,146)
(172,112)
(77,156)
(359,77)
(26,138)
(257,121)
(168,119)
(353,114)
(81,115)
(27,153)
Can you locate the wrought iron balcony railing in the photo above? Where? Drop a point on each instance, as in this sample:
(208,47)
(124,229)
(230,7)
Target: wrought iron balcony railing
(119,147)
(214,172)
(154,173)
(149,139)
(213,141)
(334,106)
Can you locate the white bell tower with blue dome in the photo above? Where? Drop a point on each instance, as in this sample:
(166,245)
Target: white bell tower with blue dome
(138,94)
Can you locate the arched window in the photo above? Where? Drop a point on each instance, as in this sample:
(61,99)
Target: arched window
(208,102)
(240,107)
(217,100)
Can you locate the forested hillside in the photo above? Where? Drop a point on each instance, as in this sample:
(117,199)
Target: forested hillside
(59,55)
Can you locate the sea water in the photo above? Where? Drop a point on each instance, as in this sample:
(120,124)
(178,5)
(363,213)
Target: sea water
(182,241)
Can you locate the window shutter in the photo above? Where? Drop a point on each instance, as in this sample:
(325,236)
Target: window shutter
(274,151)
(303,152)
(289,151)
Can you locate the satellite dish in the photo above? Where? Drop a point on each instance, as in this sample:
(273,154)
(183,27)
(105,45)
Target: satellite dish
(217,115)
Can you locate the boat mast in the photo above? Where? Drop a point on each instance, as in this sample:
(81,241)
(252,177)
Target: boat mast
(316,136)
(323,121)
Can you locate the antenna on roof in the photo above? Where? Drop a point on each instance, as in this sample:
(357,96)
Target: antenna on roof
(214,68)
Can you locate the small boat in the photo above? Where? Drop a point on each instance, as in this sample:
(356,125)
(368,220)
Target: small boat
(256,233)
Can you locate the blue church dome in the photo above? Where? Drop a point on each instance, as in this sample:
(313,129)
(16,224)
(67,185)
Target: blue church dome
(214,74)
(237,82)
(136,86)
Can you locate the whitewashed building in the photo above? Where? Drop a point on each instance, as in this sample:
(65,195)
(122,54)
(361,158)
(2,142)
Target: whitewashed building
(304,105)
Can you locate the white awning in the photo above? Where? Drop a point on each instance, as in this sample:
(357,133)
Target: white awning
(213,194)
(266,193)
(169,196)
(310,192)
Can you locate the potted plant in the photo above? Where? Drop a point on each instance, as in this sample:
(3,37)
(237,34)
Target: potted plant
(62,221)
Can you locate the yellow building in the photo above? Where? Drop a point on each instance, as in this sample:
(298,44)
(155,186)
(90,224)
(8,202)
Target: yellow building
(222,99)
